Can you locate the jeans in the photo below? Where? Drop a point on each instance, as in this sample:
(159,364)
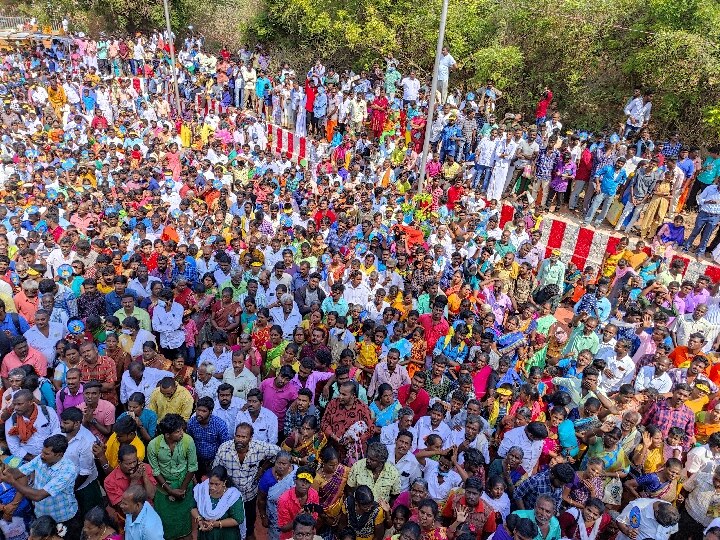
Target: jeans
(600,199)
(482,177)
(239,93)
(705,224)
(578,186)
(630,208)
(630,130)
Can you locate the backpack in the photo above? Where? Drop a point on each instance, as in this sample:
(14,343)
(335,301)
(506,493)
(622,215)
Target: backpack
(44,410)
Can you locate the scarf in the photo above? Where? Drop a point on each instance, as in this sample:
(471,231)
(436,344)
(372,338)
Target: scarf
(24,429)
(204,503)
(582,529)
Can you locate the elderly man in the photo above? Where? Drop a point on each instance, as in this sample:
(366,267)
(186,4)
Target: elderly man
(286,316)
(648,518)
(543,515)
(342,413)
(142,522)
(242,457)
(390,433)
(29,425)
(139,378)
(375,472)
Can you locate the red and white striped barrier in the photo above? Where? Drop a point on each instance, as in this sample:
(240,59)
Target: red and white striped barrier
(583,246)
(283,140)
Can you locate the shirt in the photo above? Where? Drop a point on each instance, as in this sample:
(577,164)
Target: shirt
(278,399)
(243,473)
(664,416)
(384,487)
(242,383)
(710,193)
(58,481)
(146,526)
(646,379)
(407,466)
(80,453)
(265,426)
(116,483)
(104,414)
(34,358)
(150,378)
(208,437)
(538,484)
(46,344)
(175,464)
(46,424)
(140,314)
(229,415)
(169,325)
(381,374)
(647,525)
(181,402)
(610,179)
(532,449)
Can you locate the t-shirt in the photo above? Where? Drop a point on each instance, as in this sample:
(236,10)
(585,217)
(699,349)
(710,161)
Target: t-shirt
(709,176)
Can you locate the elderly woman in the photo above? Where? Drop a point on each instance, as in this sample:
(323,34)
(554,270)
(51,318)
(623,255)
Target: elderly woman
(411,499)
(273,483)
(616,465)
(219,512)
(509,468)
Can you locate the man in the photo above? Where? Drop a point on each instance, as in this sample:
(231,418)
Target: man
(470,435)
(375,472)
(480,516)
(278,394)
(71,395)
(142,522)
(543,516)
(242,457)
(434,323)
(433,424)
(552,272)
(405,462)
(44,335)
(637,112)
(129,309)
(672,412)
(286,316)
(29,426)
(344,411)
(550,482)
(530,439)
(390,433)
(53,483)
(648,518)
(220,354)
(691,326)
(414,395)
(227,406)
(80,452)
(239,376)
(142,283)
(607,181)
(209,432)
(170,397)
(702,458)
(707,219)
(206,384)
(447,64)
(167,320)
(98,414)
(113,299)
(306,295)
(12,324)
(139,378)
(390,372)
(130,471)
(263,421)
(100,369)
(22,354)
(300,408)
(304,528)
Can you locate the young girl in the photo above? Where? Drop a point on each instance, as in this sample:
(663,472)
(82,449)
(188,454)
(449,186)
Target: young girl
(191,334)
(418,352)
(394,521)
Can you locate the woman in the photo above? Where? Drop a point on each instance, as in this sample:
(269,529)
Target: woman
(411,499)
(273,483)
(384,407)
(509,468)
(649,455)
(707,423)
(362,515)
(145,419)
(69,359)
(292,502)
(496,496)
(97,526)
(218,513)
(586,523)
(182,373)
(612,257)
(226,315)
(669,237)
(428,512)
(306,444)
(330,483)
(529,398)
(378,113)
(173,458)
(588,484)
(616,466)
(117,354)
(46,528)
(133,337)
(662,484)
(274,348)
(150,357)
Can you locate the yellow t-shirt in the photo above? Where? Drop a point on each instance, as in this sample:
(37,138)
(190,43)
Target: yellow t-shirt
(113,446)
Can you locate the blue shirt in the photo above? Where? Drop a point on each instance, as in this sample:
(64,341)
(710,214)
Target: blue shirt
(9,326)
(113,301)
(610,179)
(58,481)
(710,193)
(147,526)
(320,105)
(208,438)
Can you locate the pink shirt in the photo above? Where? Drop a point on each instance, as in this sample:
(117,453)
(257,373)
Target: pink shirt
(104,414)
(278,399)
(34,358)
(289,507)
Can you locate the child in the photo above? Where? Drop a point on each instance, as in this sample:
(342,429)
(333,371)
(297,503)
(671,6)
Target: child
(418,353)
(607,343)
(191,334)
(673,443)
(500,405)
(400,516)
(135,157)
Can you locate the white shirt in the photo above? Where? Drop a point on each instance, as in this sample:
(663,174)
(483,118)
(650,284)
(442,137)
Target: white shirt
(242,383)
(646,379)
(141,290)
(80,453)
(46,345)
(699,457)
(436,490)
(45,426)
(266,425)
(229,415)
(208,389)
(424,428)
(648,527)
(446,62)
(169,325)
(289,323)
(389,433)
(532,449)
(408,467)
(150,378)
(357,295)
(480,443)
(411,88)
(56,259)
(221,362)
(623,370)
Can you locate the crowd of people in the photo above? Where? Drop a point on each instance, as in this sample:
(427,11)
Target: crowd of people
(203,339)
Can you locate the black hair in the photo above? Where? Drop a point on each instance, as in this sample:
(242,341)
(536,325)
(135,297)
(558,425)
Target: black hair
(170,423)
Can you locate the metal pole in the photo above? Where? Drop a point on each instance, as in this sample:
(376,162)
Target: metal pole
(433,91)
(173,67)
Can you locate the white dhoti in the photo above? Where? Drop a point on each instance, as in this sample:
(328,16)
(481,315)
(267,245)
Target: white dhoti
(497,181)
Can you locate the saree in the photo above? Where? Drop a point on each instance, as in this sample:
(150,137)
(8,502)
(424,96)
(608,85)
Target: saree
(614,460)
(273,495)
(272,359)
(309,449)
(330,491)
(363,524)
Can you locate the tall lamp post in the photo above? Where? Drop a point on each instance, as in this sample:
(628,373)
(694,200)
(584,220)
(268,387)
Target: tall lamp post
(173,67)
(433,91)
